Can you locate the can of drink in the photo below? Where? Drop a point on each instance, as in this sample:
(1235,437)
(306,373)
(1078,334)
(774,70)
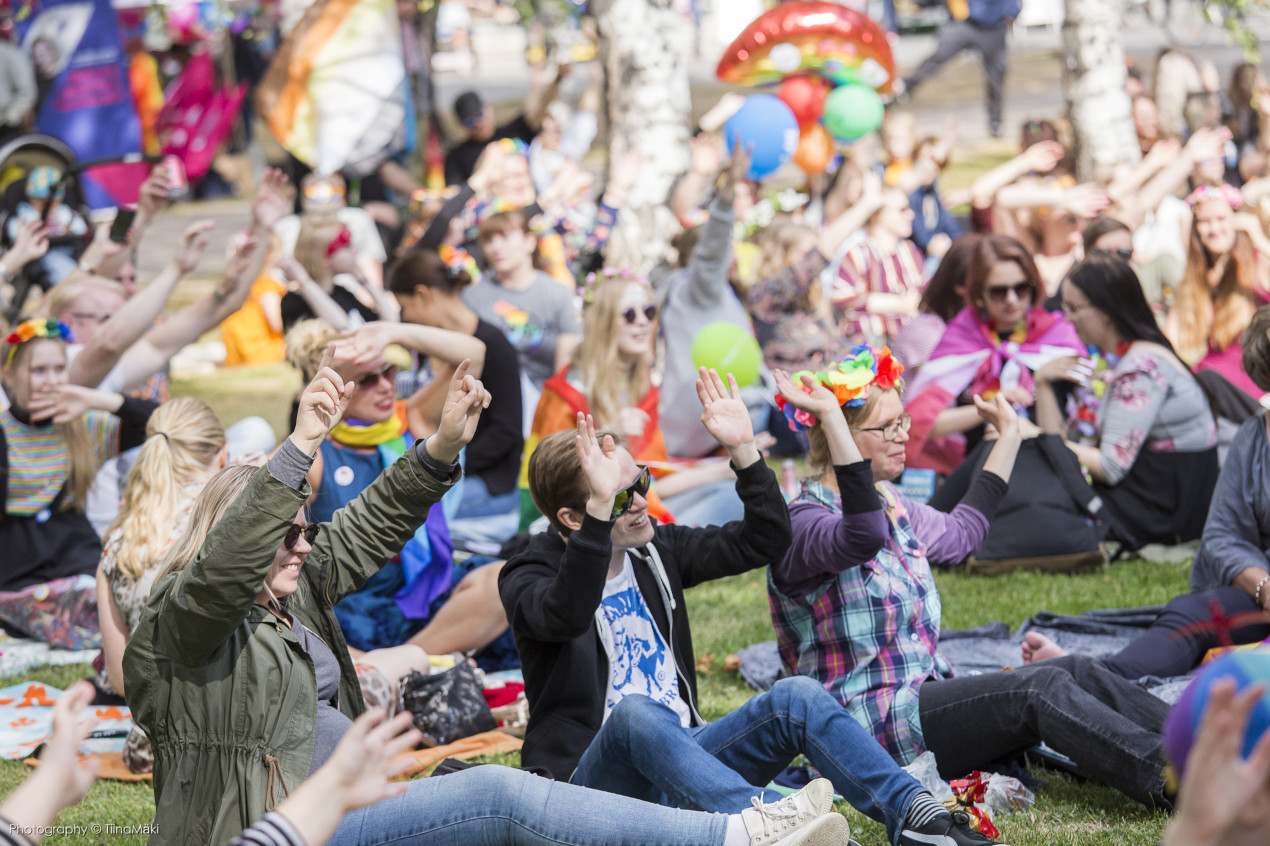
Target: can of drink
(178,185)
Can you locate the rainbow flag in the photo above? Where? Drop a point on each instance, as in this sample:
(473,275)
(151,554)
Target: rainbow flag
(336,94)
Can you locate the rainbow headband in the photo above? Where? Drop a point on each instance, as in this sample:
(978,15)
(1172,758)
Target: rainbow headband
(1225,192)
(605,274)
(850,379)
(29,329)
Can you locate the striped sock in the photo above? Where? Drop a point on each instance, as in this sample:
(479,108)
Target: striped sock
(923,810)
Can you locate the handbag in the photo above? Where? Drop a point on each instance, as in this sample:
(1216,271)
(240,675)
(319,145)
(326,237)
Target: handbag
(447,705)
(1050,519)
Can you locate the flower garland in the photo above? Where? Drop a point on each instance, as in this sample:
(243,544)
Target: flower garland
(1085,401)
(1225,192)
(29,329)
(604,275)
(865,366)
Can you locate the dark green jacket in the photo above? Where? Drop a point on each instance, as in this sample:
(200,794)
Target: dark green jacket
(220,685)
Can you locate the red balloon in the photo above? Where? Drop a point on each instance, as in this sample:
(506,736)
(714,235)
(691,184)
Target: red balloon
(805,96)
(815,149)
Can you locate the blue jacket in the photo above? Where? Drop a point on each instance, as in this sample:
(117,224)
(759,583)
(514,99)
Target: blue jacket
(993,12)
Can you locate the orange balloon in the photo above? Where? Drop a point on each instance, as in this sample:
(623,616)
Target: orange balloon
(815,149)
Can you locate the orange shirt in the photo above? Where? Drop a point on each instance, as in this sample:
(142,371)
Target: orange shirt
(247,335)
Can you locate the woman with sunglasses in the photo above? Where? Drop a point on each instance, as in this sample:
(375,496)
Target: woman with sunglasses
(1148,438)
(856,607)
(610,377)
(994,345)
(424,601)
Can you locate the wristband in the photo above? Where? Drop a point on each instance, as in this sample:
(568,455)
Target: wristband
(1257,596)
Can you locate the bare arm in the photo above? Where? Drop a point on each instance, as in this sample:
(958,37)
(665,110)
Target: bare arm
(1039,158)
(706,162)
(540,96)
(566,345)
(836,231)
(324,308)
(1204,144)
(114,632)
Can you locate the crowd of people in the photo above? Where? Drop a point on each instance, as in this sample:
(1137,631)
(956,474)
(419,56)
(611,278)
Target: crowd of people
(509,450)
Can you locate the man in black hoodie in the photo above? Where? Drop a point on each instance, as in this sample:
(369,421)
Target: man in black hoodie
(597,610)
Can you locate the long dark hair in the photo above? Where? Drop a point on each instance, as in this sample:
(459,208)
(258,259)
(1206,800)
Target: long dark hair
(1113,288)
(424,267)
(942,297)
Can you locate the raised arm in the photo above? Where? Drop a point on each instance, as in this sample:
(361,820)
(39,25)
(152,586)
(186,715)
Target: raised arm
(1039,158)
(691,187)
(1204,144)
(708,265)
(854,218)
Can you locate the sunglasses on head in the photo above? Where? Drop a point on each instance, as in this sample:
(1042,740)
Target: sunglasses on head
(626,496)
(1124,253)
(309,530)
(998,293)
(632,314)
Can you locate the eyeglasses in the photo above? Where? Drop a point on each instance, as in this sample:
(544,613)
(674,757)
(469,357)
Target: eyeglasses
(370,380)
(1021,290)
(309,530)
(626,496)
(631,314)
(1070,310)
(1124,253)
(900,425)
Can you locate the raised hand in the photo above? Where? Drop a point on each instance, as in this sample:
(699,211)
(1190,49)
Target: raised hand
(705,154)
(291,269)
(600,465)
(1085,200)
(1043,156)
(273,200)
(241,258)
(68,402)
(464,403)
(630,423)
(739,168)
(1000,415)
(367,341)
(155,192)
(811,397)
(725,416)
(193,242)
(322,404)
(31,243)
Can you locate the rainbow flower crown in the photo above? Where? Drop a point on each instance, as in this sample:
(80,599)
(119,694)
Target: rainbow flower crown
(29,329)
(1225,192)
(605,274)
(850,379)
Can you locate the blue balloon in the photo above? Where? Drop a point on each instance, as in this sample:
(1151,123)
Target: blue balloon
(767,124)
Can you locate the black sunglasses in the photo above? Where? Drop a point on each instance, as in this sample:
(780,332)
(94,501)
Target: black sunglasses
(650,311)
(1124,253)
(309,530)
(626,496)
(998,293)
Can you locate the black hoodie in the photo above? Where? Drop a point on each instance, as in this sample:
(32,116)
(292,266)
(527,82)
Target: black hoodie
(552,591)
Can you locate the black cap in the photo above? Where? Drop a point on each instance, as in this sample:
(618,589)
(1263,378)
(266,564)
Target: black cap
(468,108)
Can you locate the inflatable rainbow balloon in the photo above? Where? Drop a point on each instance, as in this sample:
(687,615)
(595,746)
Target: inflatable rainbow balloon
(839,44)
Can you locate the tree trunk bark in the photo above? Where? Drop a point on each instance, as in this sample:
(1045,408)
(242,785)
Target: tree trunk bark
(648,110)
(1093,83)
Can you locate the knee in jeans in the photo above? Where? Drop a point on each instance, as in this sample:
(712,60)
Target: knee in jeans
(801,693)
(634,712)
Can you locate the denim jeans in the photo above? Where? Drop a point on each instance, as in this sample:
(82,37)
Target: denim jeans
(714,504)
(1107,725)
(500,806)
(477,501)
(642,751)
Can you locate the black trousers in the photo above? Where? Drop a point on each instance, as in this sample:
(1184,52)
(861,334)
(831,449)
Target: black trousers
(989,41)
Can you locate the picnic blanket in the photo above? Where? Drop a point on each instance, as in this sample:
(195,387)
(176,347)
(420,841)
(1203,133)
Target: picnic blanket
(993,646)
(18,656)
(26,720)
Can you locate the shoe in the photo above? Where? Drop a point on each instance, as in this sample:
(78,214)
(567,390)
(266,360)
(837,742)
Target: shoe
(805,818)
(952,830)
(995,129)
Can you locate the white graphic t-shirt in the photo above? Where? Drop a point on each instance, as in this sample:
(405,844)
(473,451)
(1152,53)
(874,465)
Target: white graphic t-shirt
(639,660)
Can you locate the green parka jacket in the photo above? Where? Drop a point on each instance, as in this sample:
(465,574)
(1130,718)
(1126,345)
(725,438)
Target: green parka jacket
(220,685)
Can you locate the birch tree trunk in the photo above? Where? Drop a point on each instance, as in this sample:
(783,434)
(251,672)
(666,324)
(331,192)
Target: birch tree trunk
(1093,84)
(648,110)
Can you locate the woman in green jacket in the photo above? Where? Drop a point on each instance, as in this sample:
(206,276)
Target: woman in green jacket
(239,675)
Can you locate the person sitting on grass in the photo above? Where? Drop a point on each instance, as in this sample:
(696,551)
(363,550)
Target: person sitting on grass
(597,607)
(239,674)
(856,608)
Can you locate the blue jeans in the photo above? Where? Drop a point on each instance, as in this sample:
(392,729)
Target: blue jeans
(642,751)
(715,504)
(477,501)
(499,806)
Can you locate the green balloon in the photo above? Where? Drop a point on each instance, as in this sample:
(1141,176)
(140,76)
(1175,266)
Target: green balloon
(852,111)
(727,348)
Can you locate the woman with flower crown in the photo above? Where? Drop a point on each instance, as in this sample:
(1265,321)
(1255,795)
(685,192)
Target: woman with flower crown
(855,605)
(55,437)
(1227,277)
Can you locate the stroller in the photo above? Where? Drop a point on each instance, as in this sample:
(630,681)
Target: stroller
(39,177)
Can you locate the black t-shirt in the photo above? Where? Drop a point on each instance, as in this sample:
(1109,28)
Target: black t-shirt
(460,162)
(495,451)
(295,308)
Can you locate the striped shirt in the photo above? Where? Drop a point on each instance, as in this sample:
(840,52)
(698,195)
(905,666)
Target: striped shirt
(273,830)
(867,270)
(40,462)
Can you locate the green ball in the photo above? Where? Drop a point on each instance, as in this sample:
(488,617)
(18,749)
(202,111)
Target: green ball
(727,348)
(852,111)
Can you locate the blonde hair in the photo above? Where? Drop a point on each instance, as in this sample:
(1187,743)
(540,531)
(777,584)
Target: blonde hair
(317,230)
(818,446)
(183,438)
(1214,315)
(74,434)
(63,295)
(305,343)
(608,386)
(217,495)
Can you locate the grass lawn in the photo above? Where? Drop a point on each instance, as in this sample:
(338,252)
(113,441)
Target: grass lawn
(732,613)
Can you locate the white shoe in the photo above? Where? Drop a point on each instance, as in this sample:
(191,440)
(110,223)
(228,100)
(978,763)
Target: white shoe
(803,819)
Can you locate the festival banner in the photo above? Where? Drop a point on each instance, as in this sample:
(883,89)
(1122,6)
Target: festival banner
(85,99)
(336,94)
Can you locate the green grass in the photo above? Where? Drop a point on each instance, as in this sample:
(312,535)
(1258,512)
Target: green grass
(732,613)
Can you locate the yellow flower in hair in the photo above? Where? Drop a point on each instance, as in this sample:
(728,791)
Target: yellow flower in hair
(850,385)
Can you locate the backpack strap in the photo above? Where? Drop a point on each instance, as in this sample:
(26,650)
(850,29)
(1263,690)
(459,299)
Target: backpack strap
(1066,466)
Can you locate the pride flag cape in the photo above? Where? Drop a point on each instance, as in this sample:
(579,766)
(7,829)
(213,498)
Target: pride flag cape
(558,410)
(336,93)
(969,356)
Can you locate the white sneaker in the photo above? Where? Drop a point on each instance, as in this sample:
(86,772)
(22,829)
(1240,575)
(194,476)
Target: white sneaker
(804,819)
